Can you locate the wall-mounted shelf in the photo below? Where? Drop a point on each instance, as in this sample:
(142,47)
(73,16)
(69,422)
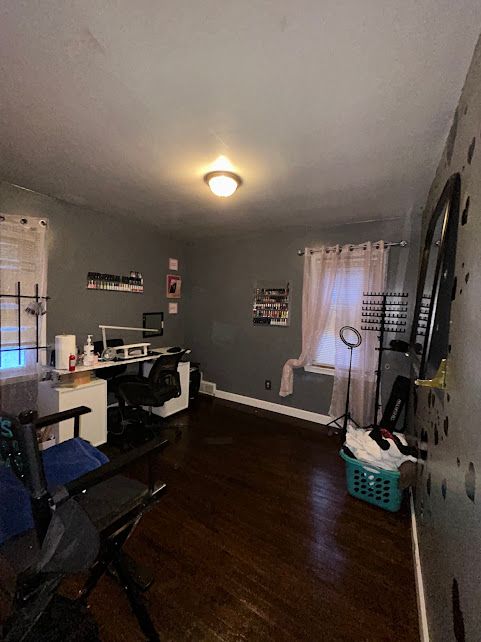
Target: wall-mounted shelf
(115,282)
(271,306)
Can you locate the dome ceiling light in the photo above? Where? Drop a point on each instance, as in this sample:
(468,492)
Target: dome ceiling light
(223,183)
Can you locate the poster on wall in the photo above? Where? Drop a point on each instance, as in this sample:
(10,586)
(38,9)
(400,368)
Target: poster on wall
(173,264)
(173,308)
(174,284)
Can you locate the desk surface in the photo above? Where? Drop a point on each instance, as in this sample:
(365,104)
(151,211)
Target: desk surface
(120,362)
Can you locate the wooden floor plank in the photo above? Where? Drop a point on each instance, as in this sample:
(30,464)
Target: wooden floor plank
(258,540)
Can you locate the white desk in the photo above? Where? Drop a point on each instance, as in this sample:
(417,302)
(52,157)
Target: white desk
(118,362)
(108,364)
(93,426)
(93,394)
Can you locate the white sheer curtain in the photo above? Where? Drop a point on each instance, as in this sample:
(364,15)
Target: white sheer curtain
(23,259)
(320,269)
(360,269)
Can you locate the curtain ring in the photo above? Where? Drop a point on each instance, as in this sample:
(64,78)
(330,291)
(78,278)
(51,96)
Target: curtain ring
(42,222)
(23,221)
(2,218)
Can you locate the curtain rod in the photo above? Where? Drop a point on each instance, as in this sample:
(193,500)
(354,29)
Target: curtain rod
(330,249)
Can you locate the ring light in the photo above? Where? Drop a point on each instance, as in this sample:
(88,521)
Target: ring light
(344,333)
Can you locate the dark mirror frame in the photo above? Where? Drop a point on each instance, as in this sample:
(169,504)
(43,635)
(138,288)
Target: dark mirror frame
(147,322)
(437,326)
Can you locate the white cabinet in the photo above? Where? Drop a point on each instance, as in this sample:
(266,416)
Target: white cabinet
(179,403)
(93,426)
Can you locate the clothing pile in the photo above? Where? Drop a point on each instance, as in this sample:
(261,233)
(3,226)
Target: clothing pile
(384,449)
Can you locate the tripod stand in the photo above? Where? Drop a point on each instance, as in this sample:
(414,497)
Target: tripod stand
(346,417)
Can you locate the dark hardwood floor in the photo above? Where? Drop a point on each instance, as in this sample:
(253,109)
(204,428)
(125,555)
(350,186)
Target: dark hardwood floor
(257,539)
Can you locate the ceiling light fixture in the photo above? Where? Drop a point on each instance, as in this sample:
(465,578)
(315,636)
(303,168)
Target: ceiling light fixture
(223,183)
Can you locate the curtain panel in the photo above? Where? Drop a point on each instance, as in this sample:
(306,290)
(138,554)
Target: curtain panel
(334,281)
(360,269)
(320,268)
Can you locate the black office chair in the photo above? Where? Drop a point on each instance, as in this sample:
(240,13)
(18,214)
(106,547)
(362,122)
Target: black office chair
(161,385)
(82,525)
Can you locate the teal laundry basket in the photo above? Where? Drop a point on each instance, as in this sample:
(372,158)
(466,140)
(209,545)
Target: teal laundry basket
(372,484)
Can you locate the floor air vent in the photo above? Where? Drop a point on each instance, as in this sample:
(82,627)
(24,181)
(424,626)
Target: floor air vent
(208,388)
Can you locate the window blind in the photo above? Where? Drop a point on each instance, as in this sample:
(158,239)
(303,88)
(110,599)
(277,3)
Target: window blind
(349,296)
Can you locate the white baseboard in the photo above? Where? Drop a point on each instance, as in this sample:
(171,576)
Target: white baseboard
(299,413)
(423,620)
(207,388)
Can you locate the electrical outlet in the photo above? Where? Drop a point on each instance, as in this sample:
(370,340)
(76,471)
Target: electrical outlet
(268,384)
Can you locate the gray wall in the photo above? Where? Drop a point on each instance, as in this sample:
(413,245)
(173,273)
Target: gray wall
(215,310)
(239,356)
(81,241)
(448,506)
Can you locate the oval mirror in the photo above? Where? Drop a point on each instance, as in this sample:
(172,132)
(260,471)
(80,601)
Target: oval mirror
(436,283)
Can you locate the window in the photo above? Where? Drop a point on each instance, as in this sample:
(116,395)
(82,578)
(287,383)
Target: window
(23,267)
(335,279)
(349,298)
(349,273)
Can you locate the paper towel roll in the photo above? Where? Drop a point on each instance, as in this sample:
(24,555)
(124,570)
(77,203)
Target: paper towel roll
(65,345)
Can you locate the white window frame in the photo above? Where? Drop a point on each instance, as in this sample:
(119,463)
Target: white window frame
(18,374)
(320,369)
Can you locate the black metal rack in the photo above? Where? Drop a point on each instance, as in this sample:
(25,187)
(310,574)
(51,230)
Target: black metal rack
(383,312)
(18,297)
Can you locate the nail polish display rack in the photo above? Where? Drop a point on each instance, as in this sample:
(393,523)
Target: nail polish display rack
(115,282)
(383,312)
(271,306)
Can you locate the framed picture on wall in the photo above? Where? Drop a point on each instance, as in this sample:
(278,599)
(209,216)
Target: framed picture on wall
(174,285)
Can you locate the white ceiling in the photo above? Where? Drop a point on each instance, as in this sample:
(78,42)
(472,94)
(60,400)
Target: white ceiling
(331,110)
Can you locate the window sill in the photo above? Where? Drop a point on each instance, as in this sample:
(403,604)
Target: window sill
(14,377)
(324,370)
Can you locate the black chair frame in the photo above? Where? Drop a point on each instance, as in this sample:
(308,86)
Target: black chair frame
(35,590)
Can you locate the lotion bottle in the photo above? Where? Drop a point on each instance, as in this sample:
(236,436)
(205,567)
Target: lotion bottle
(89,352)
